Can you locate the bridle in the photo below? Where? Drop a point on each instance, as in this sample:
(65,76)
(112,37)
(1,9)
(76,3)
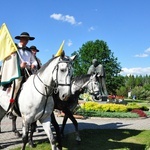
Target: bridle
(91,91)
(86,85)
(56,83)
(56,80)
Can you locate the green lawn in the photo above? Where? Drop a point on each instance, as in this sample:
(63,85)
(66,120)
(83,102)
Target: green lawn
(103,139)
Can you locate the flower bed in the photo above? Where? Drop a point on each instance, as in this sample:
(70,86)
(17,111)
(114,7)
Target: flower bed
(139,112)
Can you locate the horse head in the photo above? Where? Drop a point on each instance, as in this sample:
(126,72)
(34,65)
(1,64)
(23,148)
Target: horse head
(55,77)
(93,86)
(90,82)
(62,75)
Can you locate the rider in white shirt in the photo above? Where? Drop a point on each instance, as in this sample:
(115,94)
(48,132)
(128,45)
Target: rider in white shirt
(27,60)
(27,63)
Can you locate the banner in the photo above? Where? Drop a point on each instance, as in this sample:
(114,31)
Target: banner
(7,46)
(10,69)
(60,49)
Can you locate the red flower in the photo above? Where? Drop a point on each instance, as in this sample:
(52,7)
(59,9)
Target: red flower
(139,112)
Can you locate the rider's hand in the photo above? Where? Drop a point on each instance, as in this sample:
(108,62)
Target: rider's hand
(23,64)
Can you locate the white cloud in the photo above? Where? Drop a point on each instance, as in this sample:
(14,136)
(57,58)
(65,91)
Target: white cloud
(135,71)
(91,29)
(147,50)
(145,54)
(141,55)
(65,18)
(69,43)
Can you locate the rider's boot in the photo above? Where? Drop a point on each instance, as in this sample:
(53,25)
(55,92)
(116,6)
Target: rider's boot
(16,86)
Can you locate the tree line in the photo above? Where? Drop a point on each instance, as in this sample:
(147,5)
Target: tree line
(139,86)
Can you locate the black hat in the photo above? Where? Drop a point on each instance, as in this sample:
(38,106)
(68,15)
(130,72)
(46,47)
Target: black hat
(25,35)
(34,48)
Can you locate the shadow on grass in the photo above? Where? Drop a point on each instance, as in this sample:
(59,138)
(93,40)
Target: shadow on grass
(103,139)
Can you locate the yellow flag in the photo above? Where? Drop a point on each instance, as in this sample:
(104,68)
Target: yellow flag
(60,49)
(7,46)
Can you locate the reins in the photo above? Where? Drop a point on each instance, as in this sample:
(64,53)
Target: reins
(54,88)
(45,95)
(46,86)
(84,85)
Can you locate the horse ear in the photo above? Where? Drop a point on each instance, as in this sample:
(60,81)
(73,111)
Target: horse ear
(62,54)
(73,57)
(95,75)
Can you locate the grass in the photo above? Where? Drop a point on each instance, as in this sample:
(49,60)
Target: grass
(103,139)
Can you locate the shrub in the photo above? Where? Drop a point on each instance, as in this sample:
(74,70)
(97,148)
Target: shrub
(94,106)
(132,106)
(110,107)
(108,114)
(139,112)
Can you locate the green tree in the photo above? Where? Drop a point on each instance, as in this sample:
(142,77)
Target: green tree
(99,50)
(122,91)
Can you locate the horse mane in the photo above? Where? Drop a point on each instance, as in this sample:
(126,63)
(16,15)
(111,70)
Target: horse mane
(46,64)
(81,79)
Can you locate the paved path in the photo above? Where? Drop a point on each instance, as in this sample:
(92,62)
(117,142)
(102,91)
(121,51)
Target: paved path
(9,141)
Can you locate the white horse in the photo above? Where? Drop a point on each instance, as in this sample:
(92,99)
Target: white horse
(35,100)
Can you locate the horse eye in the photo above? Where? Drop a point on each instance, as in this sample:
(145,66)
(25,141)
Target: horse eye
(63,70)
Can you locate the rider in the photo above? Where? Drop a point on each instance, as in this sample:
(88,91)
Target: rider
(26,61)
(34,51)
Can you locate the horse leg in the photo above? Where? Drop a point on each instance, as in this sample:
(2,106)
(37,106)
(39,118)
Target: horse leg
(57,129)
(63,124)
(14,128)
(32,130)
(25,131)
(69,114)
(47,127)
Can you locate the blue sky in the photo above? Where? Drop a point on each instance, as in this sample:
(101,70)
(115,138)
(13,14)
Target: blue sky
(123,24)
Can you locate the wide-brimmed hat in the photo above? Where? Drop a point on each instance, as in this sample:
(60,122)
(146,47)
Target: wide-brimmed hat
(24,35)
(34,48)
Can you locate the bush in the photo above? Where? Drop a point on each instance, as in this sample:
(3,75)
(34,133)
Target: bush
(108,114)
(139,112)
(110,107)
(132,106)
